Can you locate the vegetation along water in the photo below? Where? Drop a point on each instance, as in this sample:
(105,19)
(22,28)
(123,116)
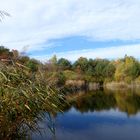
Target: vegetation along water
(56,96)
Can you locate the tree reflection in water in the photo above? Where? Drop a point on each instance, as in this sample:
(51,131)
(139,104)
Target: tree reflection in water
(125,101)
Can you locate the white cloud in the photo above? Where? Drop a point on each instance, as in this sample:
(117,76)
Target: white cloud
(35,22)
(108,52)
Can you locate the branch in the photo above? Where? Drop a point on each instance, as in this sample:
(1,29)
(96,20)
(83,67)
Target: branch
(3,14)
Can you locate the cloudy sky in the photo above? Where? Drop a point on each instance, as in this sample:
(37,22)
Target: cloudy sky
(72,28)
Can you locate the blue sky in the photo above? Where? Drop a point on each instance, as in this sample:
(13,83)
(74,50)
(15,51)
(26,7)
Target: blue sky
(72,28)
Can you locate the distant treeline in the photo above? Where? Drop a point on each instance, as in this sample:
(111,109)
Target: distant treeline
(126,69)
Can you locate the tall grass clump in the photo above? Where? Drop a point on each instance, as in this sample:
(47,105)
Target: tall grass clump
(24,97)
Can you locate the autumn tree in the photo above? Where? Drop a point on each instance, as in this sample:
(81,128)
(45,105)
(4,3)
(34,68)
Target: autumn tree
(127,70)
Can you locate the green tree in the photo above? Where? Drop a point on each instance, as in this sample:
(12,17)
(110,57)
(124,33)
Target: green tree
(110,70)
(64,63)
(81,65)
(100,69)
(91,65)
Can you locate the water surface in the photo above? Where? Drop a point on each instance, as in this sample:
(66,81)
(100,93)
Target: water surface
(96,115)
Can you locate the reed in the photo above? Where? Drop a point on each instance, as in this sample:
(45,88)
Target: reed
(24,97)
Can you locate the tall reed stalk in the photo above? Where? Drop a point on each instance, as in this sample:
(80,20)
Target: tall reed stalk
(24,97)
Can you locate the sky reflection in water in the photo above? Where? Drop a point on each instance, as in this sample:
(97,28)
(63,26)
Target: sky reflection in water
(113,123)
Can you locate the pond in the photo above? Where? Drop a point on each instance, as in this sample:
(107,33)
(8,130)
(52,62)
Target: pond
(88,115)
(99,115)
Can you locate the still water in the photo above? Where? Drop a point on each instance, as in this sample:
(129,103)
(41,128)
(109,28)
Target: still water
(95,115)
